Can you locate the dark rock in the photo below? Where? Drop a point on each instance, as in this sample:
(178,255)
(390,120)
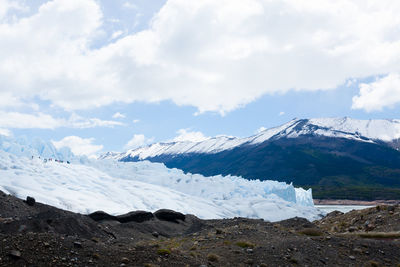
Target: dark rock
(155,234)
(391,208)
(334,213)
(135,216)
(30,201)
(169,215)
(78,244)
(101,215)
(352,229)
(22,228)
(15,254)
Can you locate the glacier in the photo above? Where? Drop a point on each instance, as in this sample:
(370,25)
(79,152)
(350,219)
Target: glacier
(85,186)
(36,147)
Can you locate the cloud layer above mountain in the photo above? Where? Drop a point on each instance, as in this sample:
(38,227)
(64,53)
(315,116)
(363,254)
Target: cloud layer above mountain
(213,55)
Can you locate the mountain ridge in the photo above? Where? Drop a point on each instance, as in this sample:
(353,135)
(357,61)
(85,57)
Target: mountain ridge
(339,158)
(360,130)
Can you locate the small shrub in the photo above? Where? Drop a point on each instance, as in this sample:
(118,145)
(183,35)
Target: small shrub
(212,257)
(227,242)
(163,252)
(372,263)
(245,244)
(311,232)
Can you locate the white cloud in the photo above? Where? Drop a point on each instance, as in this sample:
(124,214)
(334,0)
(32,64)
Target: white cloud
(187,135)
(29,121)
(39,120)
(5,132)
(76,121)
(281,113)
(213,55)
(79,146)
(116,34)
(7,5)
(119,116)
(261,129)
(136,121)
(137,141)
(384,92)
(129,5)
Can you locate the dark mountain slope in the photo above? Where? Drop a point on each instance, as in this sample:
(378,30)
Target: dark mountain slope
(333,167)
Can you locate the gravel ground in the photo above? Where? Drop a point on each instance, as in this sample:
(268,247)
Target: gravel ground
(41,235)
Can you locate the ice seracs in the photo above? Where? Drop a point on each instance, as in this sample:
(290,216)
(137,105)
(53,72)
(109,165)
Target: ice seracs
(35,147)
(120,187)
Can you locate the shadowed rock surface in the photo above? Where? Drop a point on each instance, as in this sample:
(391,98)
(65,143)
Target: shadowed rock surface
(135,216)
(169,215)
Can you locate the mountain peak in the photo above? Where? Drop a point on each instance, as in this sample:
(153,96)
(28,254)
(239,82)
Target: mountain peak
(337,127)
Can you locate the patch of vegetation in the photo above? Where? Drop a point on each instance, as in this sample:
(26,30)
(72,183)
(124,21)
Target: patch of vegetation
(380,235)
(311,232)
(245,244)
(163,252)
(212,257)
(227,242)
(372,263)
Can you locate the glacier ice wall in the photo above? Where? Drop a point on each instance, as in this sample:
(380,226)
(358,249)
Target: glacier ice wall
(23,146)
(214,187)
(110,186)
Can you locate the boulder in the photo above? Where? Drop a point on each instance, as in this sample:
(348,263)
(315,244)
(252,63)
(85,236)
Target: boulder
(30,201)
(135,216)
(101,216)
(169,215)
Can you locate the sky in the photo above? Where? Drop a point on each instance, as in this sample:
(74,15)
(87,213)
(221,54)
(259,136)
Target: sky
(98,75)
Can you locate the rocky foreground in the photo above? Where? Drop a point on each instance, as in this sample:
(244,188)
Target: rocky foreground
(33,234)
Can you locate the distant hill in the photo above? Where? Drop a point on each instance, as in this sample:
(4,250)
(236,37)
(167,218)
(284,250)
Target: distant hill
(339,158)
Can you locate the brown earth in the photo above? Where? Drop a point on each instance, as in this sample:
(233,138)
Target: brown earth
(42,235)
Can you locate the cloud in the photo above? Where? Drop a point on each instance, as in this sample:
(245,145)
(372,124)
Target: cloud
(384,92)
(213,55)
(116,34)
(281,113)
(261,129)
(7,5)
(136,121)
(186,135)
(39,120)
(138,140)
(129,5)
(5,132)
(76,121)
(119,116)
(79,146)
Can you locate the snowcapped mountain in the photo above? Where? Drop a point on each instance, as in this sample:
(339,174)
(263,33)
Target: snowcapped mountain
(337,157)
(359,130)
